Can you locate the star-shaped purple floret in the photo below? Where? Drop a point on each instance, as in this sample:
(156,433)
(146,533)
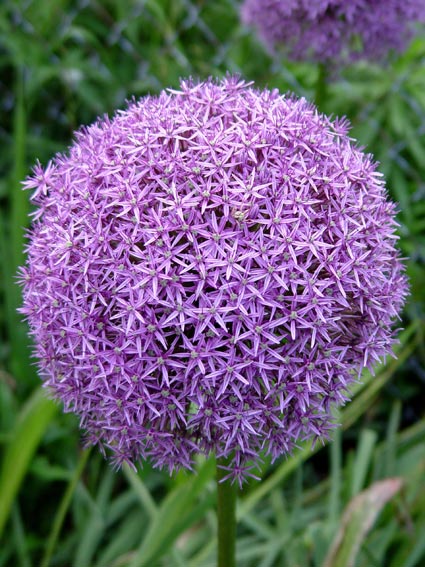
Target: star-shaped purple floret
(336,31)
(209,271)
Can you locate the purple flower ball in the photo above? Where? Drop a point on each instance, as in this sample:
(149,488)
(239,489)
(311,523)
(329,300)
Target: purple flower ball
(335,30)
(208,271)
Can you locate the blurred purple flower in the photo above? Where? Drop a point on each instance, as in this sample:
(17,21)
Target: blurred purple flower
(335,30)
(209,271)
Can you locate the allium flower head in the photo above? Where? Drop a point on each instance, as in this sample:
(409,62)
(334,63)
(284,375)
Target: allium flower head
(209,271)
(335,30)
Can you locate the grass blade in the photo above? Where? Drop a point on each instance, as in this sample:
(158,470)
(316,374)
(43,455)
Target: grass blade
(19,207)
(336,478)
(357,521)
(363,459)
(32,422)
(174,515)
(93,529)
(21,543)
(141,490)
(63,508)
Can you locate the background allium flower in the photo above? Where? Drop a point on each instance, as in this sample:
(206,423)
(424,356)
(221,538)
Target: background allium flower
(337,30)
(209,271)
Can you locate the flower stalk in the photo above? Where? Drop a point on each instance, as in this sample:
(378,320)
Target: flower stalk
(226,516)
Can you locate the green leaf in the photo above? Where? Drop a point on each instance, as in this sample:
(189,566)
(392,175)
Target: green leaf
(412,553)
(358,519)
(397,114)
(178,511)
(32,422)
(63,508)
(95,526)
(336,478)
(13,238)
(363,459)
(140,490)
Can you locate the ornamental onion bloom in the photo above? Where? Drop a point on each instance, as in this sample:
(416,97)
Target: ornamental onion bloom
(210,270)
(335,30)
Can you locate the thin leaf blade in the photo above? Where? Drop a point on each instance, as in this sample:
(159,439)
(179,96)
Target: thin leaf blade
(358,519)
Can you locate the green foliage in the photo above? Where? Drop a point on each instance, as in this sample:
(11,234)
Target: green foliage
(62,63)
(29,428)
(358,519)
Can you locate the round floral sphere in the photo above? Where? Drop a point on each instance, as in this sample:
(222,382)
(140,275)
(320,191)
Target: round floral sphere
(208,271)
(335,30)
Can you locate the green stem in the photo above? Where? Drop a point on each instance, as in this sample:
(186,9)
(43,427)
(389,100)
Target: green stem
(226,518)
(321,87)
